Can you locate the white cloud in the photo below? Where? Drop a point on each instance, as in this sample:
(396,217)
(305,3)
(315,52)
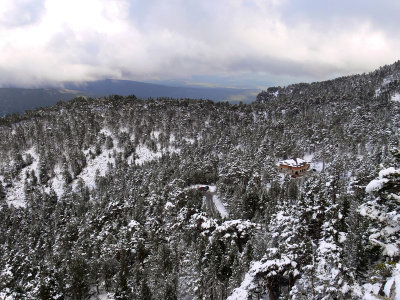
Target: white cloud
(59,40)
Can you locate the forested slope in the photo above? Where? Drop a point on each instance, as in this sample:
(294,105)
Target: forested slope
(101,196)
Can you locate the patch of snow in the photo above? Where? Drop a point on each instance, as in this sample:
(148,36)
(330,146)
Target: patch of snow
(220,207)
(392,285)
(144,154)
(196,186)
(396,277)
(325,247)
(388,286)
(215,198)
(281,178)
(106,131)
(57,181)
(370,297)
(169,205)
(256,267)
(213,188)
(103,295)
(16,194)
(308,157)
(191,141)
(4,296)
(387,172)
(101,163)
(317,165)
(133,223)
(155,134)
(390,250)
(208,223)
(377,184)
(342,237)
(387,80)
(370,289)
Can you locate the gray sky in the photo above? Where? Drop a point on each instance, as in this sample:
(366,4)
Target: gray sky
(253,43)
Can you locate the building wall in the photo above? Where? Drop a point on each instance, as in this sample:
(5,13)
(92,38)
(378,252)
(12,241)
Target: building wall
(293,170)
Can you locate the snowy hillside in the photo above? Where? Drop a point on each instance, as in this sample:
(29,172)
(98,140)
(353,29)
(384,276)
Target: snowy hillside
(122,198)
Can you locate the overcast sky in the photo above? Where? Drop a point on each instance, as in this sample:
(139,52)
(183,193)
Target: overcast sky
(253,43)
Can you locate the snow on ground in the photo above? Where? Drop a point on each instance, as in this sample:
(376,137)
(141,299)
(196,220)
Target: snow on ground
(124,129)
(191,141)
(103,295)
(16,194)
(100,162)
(155,134)
(3,296)
(396,281)
(220,207)
(215,198)
(391,287)
(106,131)
(370,290)
(317,165)
(213,188)
(195,186)
(57,182)
(144,154)
(281,178)
(308,157)
(396,97)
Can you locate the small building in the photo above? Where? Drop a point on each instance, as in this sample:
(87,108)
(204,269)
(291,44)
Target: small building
(296,166)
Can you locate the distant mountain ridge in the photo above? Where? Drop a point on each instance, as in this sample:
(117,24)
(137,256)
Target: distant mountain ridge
(383,83)
(17,100)
(150,90)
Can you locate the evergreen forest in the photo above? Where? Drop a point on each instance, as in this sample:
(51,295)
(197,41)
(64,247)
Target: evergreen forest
(102,198)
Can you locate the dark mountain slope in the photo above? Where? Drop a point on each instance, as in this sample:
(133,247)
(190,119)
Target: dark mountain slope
(16,100)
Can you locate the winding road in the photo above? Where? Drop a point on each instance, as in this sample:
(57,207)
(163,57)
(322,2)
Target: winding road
(209,205)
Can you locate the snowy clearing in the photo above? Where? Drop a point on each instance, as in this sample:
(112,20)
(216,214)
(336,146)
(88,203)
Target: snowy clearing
(396,97)
(101,163)
(16,194)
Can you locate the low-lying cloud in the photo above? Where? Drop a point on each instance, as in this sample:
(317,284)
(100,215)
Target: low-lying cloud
(51,41)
